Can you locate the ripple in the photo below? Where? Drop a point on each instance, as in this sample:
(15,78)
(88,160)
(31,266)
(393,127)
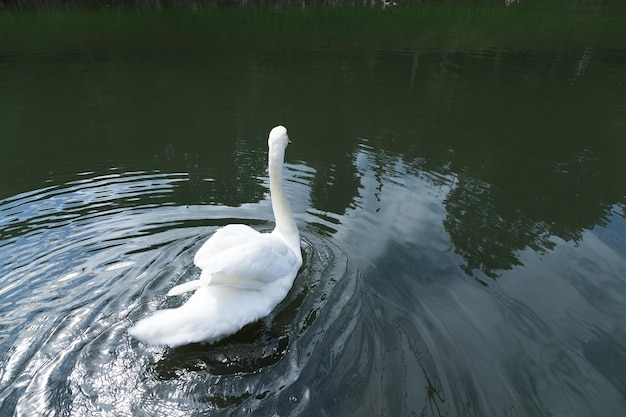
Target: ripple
(255,370)
(88,258)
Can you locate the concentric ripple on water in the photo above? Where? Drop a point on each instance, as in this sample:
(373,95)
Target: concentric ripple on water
(82,261)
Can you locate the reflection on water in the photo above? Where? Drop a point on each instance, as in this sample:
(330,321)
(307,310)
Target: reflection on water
(488,349)
(462,219)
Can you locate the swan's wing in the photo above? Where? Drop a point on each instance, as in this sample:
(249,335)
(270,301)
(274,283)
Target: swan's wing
(237,255)
(185,287)
(223,239)
(262,259)
(250,266)
(198,283)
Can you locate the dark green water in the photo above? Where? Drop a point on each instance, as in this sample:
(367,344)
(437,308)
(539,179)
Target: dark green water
(457,175)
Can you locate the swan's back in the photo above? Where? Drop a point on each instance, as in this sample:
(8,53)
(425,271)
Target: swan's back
(223,239)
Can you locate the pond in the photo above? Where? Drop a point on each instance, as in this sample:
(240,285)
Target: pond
(457,175)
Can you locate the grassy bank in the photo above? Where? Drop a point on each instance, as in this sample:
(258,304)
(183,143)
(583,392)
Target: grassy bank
(452,27)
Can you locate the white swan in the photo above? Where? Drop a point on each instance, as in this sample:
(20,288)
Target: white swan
(245,274)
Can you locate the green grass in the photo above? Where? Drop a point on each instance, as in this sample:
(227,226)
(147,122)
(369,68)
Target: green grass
(451,27)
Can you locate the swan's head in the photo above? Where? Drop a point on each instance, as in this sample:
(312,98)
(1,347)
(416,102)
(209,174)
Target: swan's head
(278,137)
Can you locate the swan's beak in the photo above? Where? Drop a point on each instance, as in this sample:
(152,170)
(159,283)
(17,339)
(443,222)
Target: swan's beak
(289,141)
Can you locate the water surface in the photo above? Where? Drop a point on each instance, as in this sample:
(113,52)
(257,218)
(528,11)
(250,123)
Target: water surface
(460,199)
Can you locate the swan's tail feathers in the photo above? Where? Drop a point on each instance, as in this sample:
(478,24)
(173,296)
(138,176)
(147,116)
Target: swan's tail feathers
(206,316)
(185,287)
(169,327)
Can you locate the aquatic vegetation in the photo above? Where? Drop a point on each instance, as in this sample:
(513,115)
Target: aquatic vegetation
(459,26)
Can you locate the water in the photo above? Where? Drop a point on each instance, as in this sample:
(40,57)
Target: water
(460,200)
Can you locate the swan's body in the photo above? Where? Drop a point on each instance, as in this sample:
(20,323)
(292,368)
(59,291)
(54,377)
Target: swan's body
(245,274)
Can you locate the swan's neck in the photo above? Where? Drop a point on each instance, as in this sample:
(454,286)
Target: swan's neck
(285,223)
